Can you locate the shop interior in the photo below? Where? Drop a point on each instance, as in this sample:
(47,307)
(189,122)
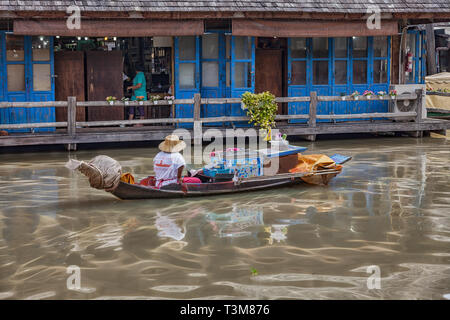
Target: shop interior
(106,66)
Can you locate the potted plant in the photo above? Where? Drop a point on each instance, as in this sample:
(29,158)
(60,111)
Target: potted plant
(111,99)
(140,99)
(381,94)
(355,95)
(262,109)
(342,96)
(280,141)
(368,94)
(155,99)
(125,100)
(169,99)
(393,94)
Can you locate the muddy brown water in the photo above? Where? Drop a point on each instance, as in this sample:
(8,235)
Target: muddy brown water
(390,208)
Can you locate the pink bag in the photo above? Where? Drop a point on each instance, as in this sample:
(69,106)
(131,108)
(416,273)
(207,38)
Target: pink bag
(191,180)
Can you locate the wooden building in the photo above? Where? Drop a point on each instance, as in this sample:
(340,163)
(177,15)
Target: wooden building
(218,48)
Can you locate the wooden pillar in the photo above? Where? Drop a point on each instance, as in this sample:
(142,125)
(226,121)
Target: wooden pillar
(395,67)
(71,121)
(312,114)
(198,132)
(420,98)
(431,50)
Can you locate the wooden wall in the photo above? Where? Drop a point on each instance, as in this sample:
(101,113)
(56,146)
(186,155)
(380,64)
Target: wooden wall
(395,45)
(69,71)
(104,78)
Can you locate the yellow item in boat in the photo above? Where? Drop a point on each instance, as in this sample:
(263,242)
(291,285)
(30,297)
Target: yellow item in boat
(127,177)
(315,162)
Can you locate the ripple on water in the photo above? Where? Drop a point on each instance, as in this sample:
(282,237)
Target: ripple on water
(390,207)
(175,288)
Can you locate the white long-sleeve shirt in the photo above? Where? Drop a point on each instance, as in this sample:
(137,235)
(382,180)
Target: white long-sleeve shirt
(166,167)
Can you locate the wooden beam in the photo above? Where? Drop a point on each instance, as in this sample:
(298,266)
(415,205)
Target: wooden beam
(40,104)
(158,134)
(131,122)
(375,115)
(34,125)
(127,14)
(101,28)
(133,103)
(310,28)
(431,50)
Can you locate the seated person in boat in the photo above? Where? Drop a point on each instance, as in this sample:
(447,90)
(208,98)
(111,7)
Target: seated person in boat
(169,163)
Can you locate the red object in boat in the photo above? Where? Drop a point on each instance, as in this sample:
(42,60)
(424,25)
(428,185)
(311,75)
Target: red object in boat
(149,181)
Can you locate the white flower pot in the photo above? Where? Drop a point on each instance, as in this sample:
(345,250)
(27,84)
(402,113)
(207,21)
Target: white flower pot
(141,103)
(111,102)
(381,97)
(155,102)
(342,98)
(280,144)
(126,103)
(369,97)
(169,101)
(393,97)
(356,98)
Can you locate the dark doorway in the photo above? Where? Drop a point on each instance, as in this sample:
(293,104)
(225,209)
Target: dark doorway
(269,66)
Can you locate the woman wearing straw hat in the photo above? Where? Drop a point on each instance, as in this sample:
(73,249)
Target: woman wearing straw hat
(169,163)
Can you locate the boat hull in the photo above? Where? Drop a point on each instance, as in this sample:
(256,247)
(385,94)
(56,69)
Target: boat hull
(126,191)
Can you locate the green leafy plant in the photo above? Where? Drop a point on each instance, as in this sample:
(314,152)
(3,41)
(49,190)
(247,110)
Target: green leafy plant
(261,108)
(254,272)
(155,98)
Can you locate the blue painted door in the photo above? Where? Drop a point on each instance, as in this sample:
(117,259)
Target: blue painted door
(338,66)
(341,72)
(298,75)
(416,43)
(320,77)
(16,85)
(27,70)
(380,70)
(4,115)
(242,70)
(187,74)
(309,69)
(213,74)
(41,79)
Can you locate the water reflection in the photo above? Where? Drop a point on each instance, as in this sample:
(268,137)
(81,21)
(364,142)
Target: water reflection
(389,207)
(234,223)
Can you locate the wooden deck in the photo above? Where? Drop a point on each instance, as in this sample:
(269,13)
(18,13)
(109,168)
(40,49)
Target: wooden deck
(102,135)
(71,133)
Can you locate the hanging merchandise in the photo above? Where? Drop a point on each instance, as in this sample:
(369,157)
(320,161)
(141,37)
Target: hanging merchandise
(409,62)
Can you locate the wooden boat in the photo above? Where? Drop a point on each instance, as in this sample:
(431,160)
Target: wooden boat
(127,191)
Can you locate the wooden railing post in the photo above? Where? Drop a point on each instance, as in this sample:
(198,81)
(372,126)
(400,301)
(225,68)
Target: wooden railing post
(313,109)
(71,120)
(312,114)
(198,132)
(419,110)
(71,115)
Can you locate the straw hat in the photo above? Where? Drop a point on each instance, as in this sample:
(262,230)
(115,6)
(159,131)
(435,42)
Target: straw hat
(172,144)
